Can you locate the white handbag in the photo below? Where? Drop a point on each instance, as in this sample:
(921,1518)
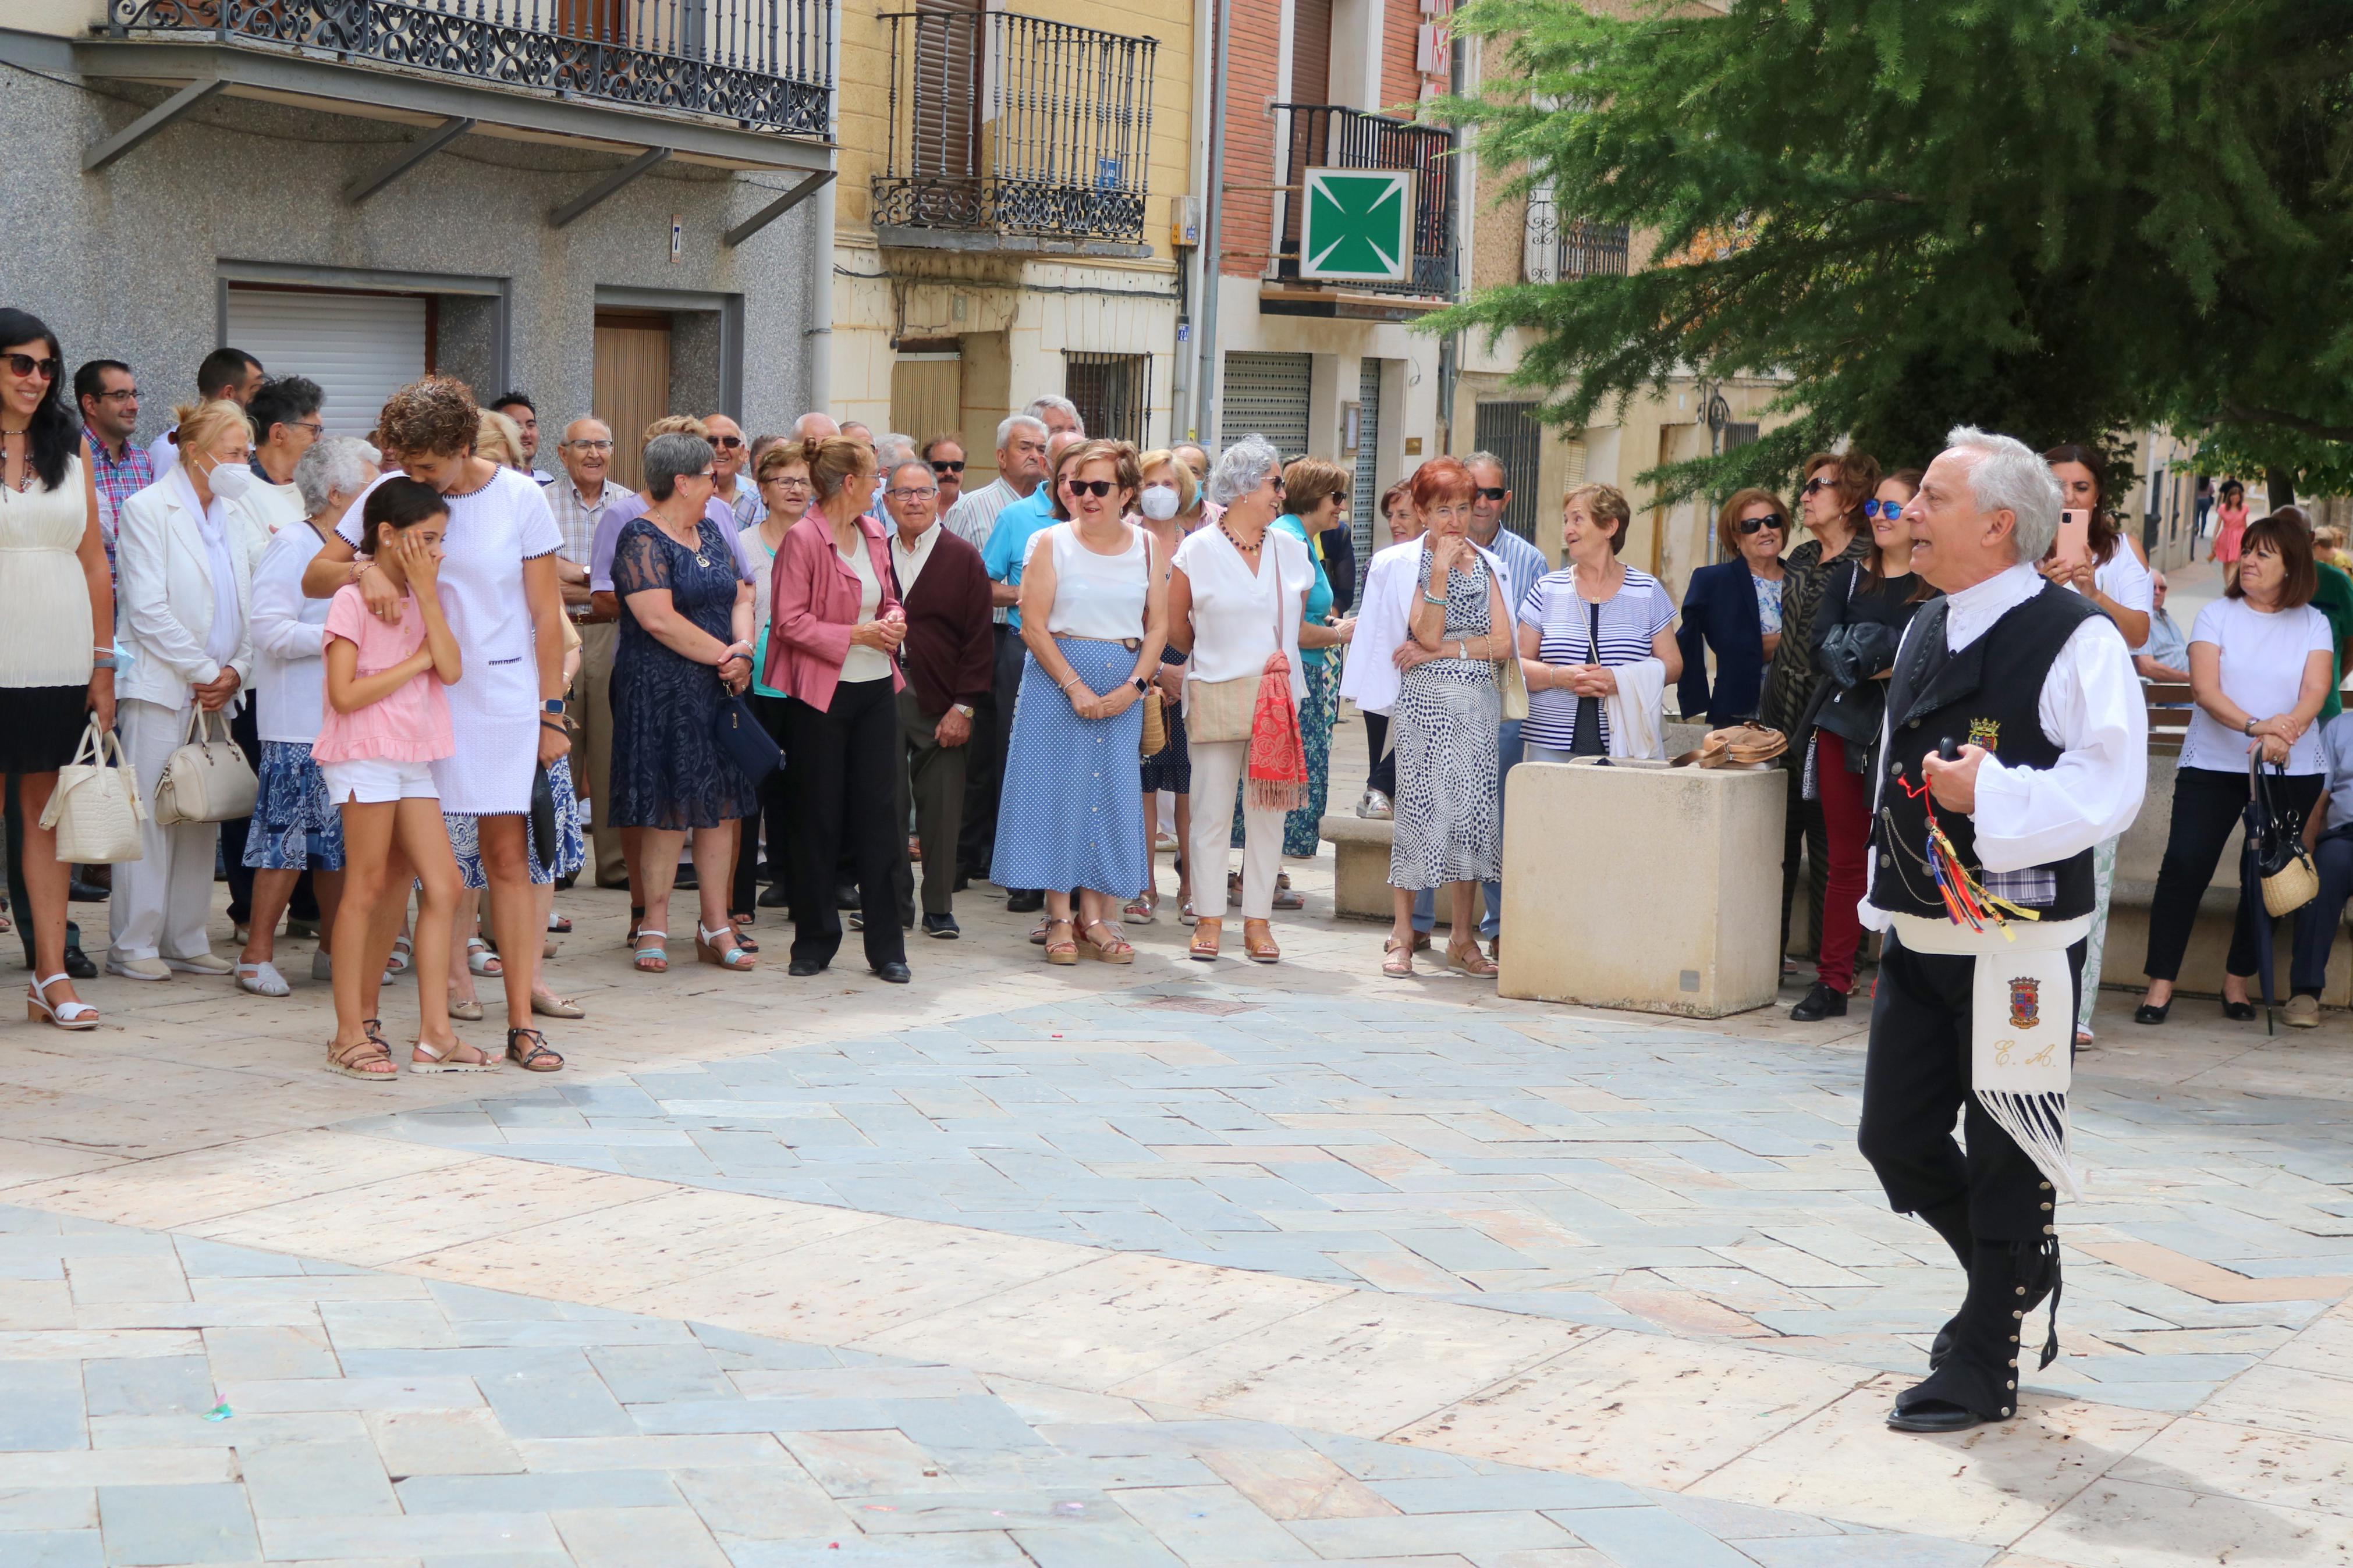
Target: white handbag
(95,809)
(208,779)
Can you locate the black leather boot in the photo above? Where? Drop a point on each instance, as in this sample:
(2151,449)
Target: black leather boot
(1978,1380)
(1951,1221)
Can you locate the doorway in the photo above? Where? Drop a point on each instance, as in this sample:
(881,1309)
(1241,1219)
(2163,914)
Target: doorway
(632,384)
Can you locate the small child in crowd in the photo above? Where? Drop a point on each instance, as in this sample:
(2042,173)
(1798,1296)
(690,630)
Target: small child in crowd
(386,722)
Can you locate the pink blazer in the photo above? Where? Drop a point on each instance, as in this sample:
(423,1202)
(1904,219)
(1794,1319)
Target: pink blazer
(813,599)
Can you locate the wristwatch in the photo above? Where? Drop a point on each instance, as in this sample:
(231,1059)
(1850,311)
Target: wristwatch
(1143,687)
(964,707)
(2250,726)
(551,705)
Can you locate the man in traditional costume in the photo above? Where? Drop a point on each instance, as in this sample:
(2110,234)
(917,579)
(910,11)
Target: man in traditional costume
(2015,739)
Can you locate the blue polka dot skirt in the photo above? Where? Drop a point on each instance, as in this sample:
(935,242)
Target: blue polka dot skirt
(1071,814)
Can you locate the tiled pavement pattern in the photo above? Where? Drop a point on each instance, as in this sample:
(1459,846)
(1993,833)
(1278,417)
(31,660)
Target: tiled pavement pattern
(1594,1170)
(167,1400)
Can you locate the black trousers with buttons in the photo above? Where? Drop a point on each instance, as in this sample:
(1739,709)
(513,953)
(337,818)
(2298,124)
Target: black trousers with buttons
(1916,1078)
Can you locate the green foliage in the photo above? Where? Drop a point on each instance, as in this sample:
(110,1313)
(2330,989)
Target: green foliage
(2056,218)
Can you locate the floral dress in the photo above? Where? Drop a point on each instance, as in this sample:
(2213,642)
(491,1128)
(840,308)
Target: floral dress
(668,770)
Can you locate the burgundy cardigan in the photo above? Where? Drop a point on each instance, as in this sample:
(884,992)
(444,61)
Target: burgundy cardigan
(951,651)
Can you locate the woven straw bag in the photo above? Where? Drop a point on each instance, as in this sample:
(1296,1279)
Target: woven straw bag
(95,809)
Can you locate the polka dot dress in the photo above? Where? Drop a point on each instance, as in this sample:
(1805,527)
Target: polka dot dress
(1068,816)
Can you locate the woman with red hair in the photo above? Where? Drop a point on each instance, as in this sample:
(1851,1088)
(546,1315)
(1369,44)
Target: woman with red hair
(1446,720)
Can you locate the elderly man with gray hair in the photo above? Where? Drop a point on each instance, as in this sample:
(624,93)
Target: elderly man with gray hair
(2015,740)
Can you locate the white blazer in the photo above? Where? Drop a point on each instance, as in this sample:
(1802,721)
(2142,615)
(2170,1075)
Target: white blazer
(1370,678)
(164,597)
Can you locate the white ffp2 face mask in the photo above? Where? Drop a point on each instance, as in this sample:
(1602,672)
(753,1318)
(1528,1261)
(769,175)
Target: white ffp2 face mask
(1159,502)
(230,481)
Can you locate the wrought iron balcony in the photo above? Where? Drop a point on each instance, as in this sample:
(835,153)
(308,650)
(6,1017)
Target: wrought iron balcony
(761,65)
(1559,250)
(1327,136)
(1007,131)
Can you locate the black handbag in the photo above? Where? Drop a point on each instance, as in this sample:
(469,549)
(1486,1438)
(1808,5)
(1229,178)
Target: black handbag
(546,847)
(743,740)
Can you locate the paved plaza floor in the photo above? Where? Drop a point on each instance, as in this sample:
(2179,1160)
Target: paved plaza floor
(1098,1267)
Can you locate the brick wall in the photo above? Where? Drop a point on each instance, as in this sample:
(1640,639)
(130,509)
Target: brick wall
(1248,240)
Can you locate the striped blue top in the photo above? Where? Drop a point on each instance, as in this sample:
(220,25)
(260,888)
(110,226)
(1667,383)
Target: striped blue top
(1630,620)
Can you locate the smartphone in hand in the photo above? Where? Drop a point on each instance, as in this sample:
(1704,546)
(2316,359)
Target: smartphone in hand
(2075,545)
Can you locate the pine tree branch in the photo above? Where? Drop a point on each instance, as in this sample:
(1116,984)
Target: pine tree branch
(2250,413)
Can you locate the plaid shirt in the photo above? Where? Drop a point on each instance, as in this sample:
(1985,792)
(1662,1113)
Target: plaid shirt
(576,518)
(118,481)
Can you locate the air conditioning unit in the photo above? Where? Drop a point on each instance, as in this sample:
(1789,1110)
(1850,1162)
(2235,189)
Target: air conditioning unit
(1431,49)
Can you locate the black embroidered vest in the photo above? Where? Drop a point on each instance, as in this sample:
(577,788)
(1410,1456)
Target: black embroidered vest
(1989,694)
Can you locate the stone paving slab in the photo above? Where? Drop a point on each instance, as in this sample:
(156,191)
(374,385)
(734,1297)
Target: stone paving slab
(1594,1171)
(444,1424)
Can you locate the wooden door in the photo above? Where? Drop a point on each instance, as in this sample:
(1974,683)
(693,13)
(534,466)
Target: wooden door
(631,386)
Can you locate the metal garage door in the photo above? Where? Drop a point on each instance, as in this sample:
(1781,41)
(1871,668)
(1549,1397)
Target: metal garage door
(361,348)
(1364,523)
(1267,393)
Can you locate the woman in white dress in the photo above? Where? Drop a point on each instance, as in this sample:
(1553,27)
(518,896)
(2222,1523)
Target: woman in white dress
(507,713)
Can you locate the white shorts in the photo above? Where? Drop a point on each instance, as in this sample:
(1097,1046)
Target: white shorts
(378,781)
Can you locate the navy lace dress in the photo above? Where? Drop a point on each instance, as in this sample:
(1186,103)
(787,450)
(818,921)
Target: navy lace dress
(668,773)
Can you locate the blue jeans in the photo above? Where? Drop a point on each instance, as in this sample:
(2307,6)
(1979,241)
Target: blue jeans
(1425,902)
(2316,923)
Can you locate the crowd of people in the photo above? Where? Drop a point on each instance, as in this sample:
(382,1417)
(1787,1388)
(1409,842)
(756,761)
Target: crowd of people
(819,661)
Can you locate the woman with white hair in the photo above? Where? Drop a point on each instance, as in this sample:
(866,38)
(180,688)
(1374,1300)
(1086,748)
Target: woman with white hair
(295,825)
(1235,600)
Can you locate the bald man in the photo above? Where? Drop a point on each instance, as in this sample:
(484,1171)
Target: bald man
(815,427)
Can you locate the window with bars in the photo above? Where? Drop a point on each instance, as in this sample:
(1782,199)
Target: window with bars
(1111,390)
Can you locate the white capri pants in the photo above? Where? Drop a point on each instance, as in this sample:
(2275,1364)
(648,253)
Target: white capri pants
(159,899)
(1217,771)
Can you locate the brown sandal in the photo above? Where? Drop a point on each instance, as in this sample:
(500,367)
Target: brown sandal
(1470,961)
(1065,951)
(1205,941)
(1396,959)
(1258,944)
(353,1060)
(1116,950)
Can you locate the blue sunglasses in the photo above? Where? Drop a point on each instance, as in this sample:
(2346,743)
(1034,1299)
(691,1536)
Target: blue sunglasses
(1890,509)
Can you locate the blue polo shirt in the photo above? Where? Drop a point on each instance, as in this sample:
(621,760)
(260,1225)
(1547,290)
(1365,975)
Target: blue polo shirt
(1008,541)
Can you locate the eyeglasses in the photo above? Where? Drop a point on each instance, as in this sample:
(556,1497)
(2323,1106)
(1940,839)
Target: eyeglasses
(590,446)
(1815,487)
(1494,493)
(316,427)
(1753,524)
(944,469)
(1096,487)
(119,394)
(25,365)
(926,494)
(727,442)
(1890,509)
(789,482)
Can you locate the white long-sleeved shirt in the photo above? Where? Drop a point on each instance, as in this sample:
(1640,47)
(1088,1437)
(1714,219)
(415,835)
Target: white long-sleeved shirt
(2091,708)
(289,666)
(1370,678)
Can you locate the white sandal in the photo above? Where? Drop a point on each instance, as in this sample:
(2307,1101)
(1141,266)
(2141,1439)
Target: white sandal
(262,980)
(399,961)
(441,1063)
(479,958)
(74,1016)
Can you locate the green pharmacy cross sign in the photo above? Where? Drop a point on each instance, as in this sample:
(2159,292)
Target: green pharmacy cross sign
(1358,226)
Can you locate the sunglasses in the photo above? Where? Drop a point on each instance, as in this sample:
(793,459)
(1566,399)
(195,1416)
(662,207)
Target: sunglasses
(1890,509)
(729,442)
(1494,493)
(1815,487)
(1096,487)
(1754,524)
(25,365)
(947,467)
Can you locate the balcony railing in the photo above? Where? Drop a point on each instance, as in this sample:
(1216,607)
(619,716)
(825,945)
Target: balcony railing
(1327,136)
(1561,250)
(761,64)
(1013,125)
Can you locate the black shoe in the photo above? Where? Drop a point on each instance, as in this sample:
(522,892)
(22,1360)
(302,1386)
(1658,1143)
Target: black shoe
(1821,1002)
(942,926)
(855,921)
(2144,1014)
(845,896)
(81,892)
(2238,1012)
(1025,900)
(685,878)
(802,968)
(78,966)
(773,896)
(894,972)
(1933,1415)
(963,883)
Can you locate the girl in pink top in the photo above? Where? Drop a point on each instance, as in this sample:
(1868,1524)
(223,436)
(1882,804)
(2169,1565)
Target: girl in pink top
(387,720)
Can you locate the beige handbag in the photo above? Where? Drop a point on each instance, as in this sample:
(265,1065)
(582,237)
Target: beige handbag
(1512,681)
(1153,738)
(95,809)
(208,779)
